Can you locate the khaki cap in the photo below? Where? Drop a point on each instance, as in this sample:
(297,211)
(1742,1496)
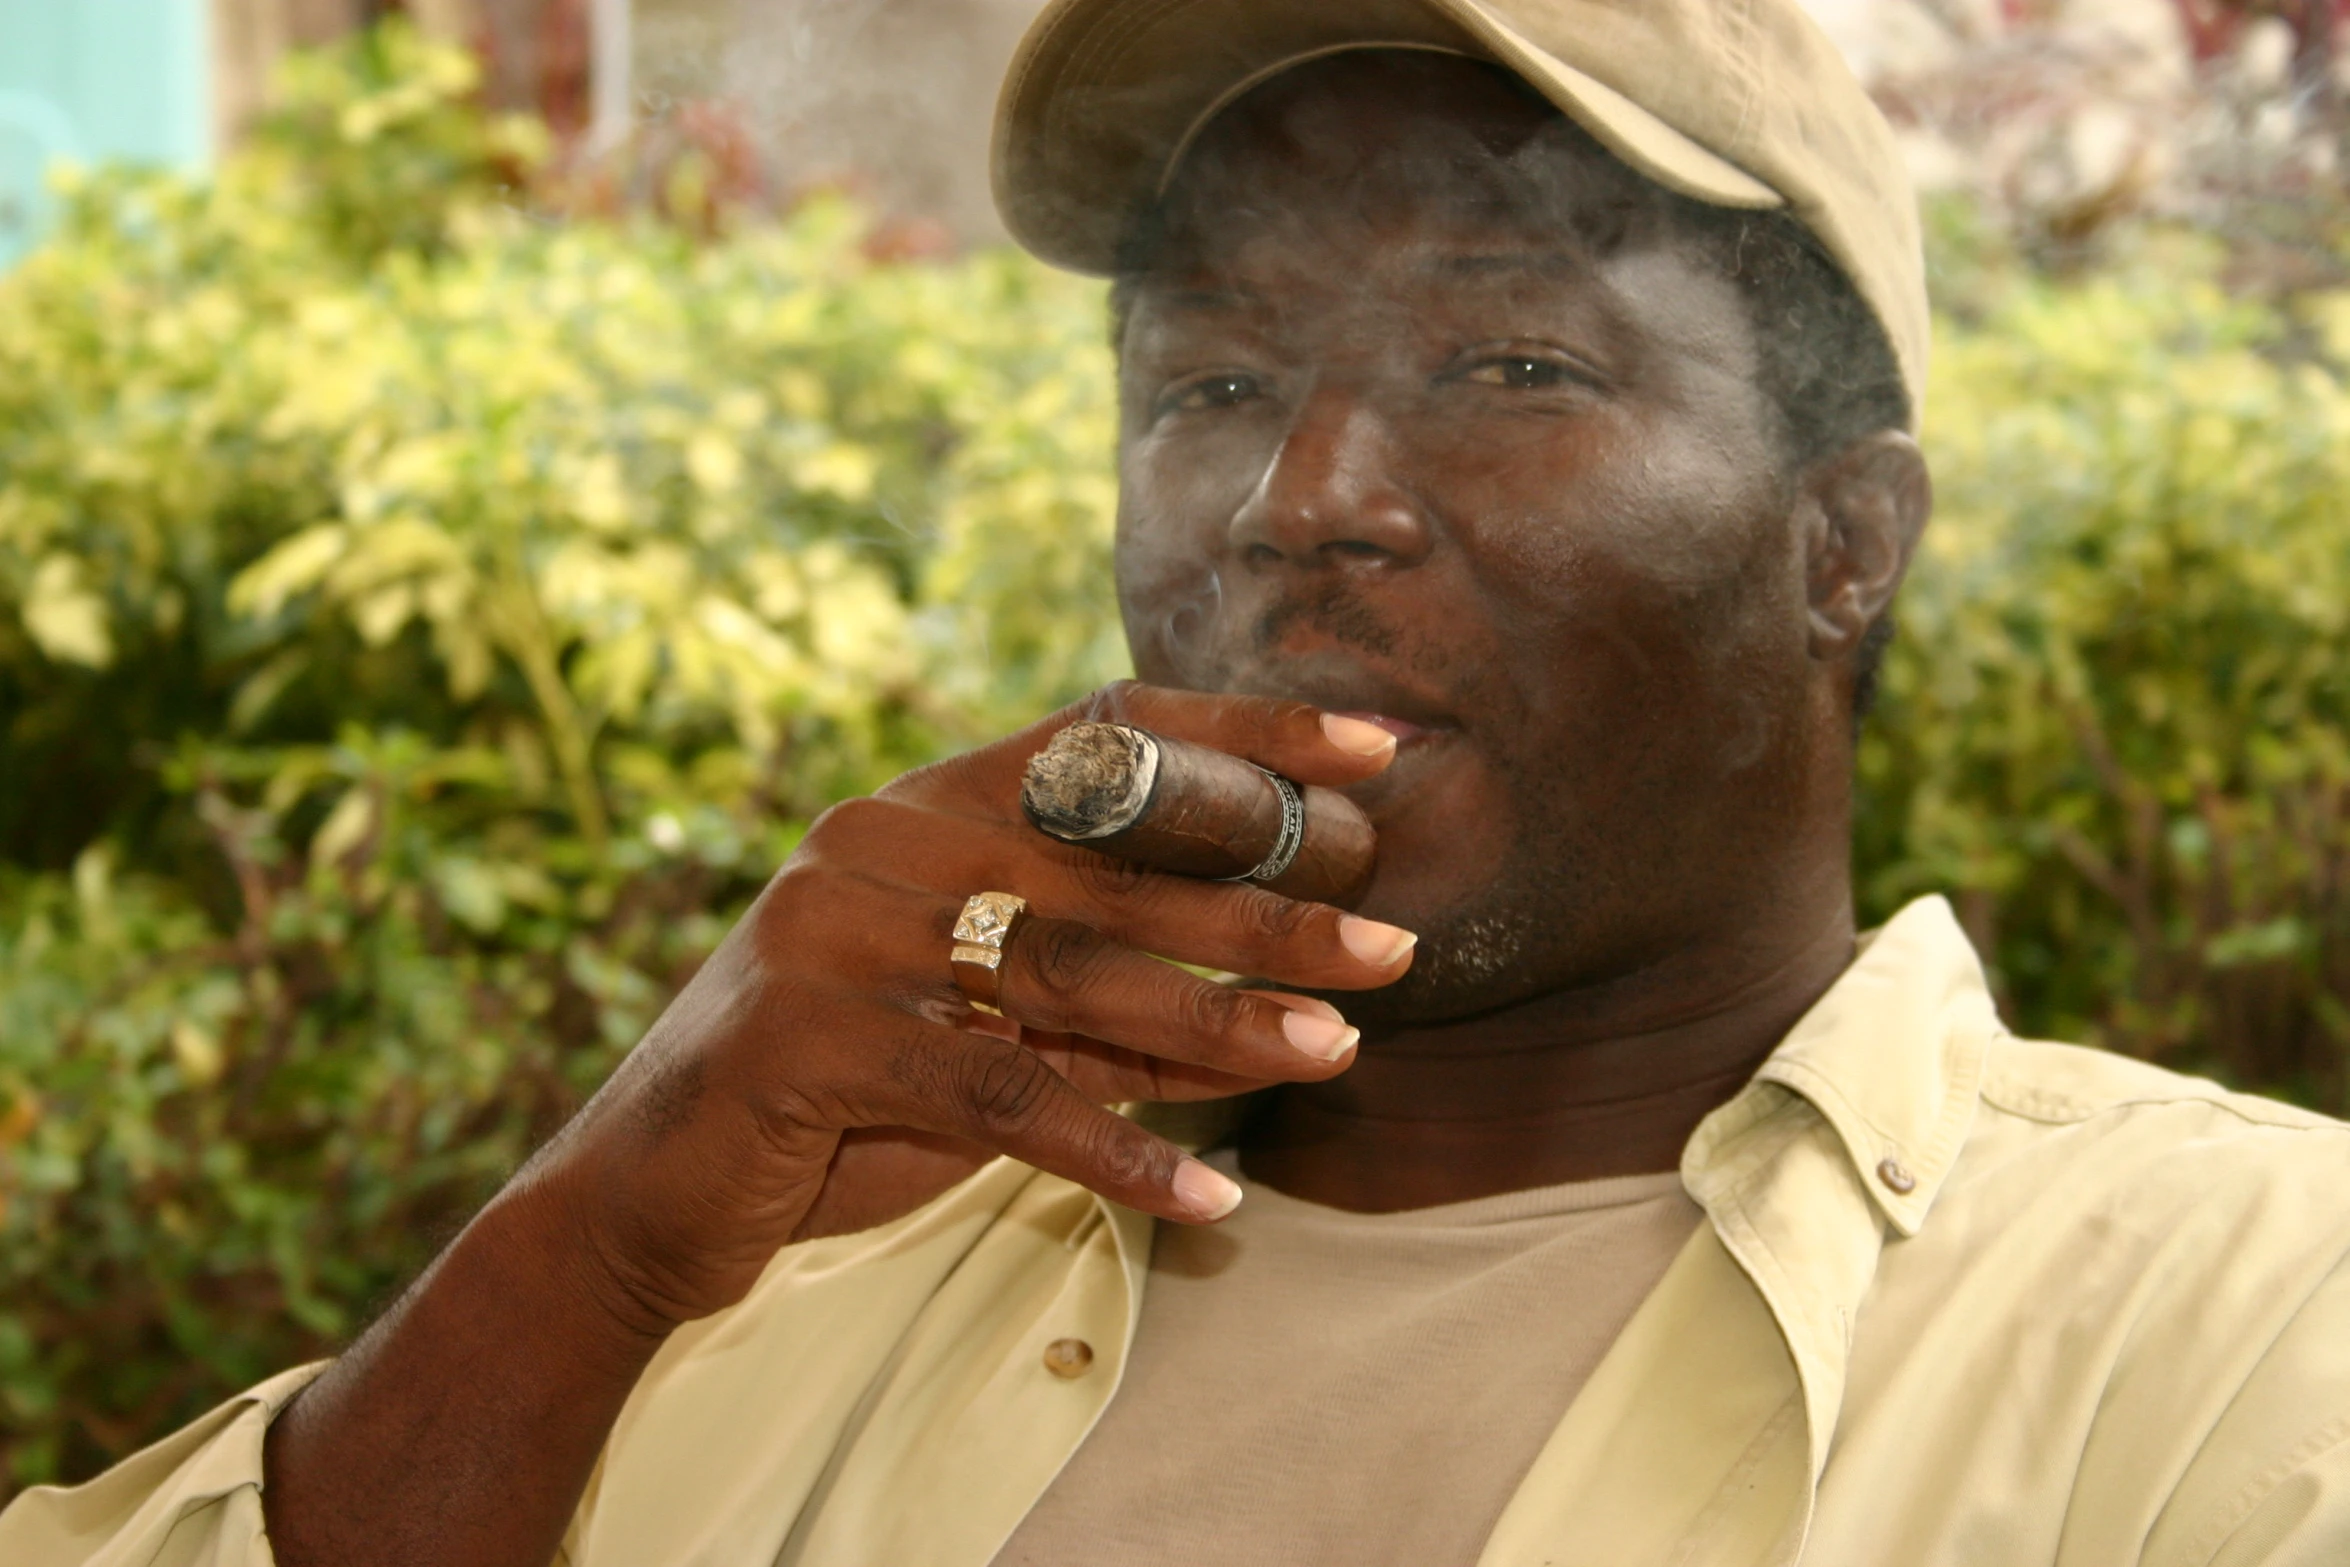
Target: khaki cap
(1736,103)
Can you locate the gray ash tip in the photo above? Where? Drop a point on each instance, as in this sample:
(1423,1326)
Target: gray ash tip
(1092,781)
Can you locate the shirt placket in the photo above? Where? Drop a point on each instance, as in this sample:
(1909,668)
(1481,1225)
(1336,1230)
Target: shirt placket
(1700,1439)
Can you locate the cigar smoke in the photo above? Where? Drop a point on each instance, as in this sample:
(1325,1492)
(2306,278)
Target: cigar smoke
(1190,628)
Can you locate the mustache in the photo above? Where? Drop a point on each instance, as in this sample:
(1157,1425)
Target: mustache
(1336,613)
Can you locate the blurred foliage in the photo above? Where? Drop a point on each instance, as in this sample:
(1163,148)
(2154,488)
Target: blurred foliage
(2117,723)
(422,626)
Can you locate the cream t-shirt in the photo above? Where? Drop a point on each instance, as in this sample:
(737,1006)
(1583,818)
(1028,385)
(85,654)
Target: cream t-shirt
(1310,1386)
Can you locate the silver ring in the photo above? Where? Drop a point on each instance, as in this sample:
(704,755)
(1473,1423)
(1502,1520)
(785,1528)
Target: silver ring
(1293,833)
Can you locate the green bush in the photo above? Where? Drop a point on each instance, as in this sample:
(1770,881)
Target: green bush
(422,626)
(415,642)
(2117,723)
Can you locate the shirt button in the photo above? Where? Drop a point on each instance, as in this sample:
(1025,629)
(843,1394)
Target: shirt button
(1896,1176)
(1068,1357)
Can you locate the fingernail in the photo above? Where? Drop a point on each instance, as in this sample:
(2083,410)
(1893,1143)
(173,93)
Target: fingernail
(1325,1039)
(1376,944)
(1354,736)
(1204,1193)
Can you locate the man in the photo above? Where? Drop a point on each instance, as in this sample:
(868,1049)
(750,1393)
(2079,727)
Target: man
(1516,434)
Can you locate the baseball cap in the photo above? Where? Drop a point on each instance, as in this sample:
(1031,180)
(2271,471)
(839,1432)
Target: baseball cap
(1735,103)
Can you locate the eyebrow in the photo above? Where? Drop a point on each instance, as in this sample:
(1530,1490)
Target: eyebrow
(1551,263)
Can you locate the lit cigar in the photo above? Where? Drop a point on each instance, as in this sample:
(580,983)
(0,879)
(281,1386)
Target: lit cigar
(1185,808)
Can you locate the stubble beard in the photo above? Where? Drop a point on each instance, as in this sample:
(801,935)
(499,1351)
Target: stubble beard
(1517,937)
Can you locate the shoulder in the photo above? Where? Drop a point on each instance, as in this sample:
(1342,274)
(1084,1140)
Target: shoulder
(2154,1274)
(2129,1182)
(2068,1084)
(2067,1130)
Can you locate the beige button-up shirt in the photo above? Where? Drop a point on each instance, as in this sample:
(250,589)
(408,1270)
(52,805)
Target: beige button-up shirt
(1962,1299)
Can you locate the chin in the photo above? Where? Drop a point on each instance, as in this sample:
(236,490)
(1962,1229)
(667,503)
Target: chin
(1463,968)
(1549,915)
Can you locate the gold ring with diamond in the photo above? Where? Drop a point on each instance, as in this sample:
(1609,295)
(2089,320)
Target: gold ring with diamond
(980,933)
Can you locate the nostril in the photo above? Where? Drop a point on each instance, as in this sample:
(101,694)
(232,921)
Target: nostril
(1355,549)
(1261,555)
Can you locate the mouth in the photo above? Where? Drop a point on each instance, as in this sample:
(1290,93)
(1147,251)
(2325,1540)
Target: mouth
(1350,690)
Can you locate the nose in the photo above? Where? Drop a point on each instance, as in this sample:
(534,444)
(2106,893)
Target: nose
(1330,496)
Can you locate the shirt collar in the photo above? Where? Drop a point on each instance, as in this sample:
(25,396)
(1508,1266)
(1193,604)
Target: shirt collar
(1892,1058)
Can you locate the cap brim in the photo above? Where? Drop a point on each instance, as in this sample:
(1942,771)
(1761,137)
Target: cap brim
(1105,95)
(1615,121)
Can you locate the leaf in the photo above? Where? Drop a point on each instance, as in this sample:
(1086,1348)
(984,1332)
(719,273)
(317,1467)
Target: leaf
(65,619)
(196,1050)
(470,891)
(296,565)
(347,827)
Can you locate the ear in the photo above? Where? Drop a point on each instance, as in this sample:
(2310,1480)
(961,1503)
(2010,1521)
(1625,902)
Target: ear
(1865,508)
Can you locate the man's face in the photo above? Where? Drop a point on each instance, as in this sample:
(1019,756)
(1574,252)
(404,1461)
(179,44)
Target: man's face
(1431,412)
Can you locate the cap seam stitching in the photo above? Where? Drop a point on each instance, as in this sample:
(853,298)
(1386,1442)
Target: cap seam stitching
(1750,73)
(1036,52)
(1107,42)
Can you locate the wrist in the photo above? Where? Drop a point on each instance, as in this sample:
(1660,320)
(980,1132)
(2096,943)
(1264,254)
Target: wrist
(558,1246)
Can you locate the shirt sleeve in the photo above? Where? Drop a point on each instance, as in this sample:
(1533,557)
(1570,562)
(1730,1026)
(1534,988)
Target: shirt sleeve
(2270,1486)
(191,1500)
(2303,1521)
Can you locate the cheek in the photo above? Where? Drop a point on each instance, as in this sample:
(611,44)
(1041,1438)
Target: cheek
(1633,594)
(1553,504)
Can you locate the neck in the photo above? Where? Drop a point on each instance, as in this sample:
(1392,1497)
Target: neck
(1572,1086)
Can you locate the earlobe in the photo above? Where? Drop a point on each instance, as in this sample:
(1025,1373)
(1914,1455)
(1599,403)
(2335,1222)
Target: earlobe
(1865,509)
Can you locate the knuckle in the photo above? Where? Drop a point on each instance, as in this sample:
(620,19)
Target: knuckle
(861,820)
(921,779)
(1003,1089)
(1273,920)
(790,1116)
(1125,1157)
(1051,961)
(785,909)
(915,1065)
(799,914)
(1065,956)
(1114,881)
(1213,1011)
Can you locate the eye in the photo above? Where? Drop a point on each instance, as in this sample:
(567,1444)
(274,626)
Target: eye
(1519,372)
(1222,389)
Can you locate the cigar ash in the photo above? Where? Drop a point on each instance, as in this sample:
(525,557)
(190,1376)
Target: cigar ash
(1093,781)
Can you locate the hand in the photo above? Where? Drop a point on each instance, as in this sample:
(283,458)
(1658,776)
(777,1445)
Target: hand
(822,1073)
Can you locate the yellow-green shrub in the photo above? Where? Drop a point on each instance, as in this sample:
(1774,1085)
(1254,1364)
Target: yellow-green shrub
(2118,719)
(416,638)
